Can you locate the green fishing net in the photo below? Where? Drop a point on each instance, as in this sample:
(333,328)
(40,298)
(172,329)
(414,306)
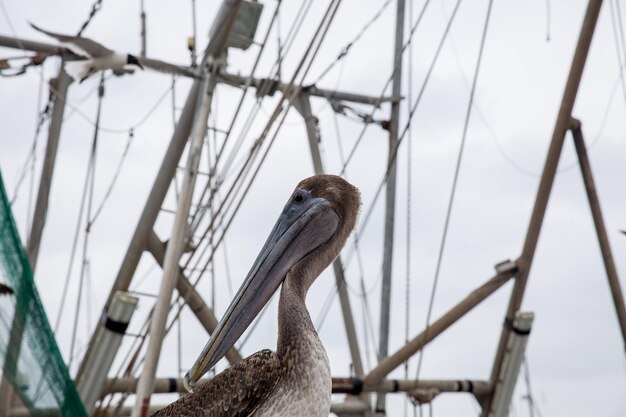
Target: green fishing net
(29,356)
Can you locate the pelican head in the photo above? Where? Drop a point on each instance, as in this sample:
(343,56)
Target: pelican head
(309,234)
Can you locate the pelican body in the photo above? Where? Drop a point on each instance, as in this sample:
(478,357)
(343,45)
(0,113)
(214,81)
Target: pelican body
(295,380)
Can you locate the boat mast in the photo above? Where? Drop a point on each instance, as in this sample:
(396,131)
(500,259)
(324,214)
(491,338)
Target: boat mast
(390,195)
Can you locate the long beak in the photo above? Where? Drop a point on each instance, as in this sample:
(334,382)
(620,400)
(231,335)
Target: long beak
(300,229)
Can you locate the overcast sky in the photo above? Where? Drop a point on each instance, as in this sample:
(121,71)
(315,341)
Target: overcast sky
(575,352)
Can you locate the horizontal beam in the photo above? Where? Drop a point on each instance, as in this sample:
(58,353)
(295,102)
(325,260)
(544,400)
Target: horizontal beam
(68,55)
(353,386)
(265,86)
(356,386)
(261,84)
(39,47)
(388,364)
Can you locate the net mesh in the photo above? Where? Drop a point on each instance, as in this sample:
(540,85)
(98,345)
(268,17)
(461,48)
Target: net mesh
(29,356)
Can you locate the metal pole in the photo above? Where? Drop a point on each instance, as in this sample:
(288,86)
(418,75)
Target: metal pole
(390,196)
(58,88)
(303,105)
(516,346)
(391,362)
(194,300)
(547,178)
(217,44)
(219,34)
(152,207)
(598,220)
(174,251)
(340,386)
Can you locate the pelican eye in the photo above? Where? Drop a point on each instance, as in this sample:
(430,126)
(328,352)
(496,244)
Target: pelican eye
(298,197)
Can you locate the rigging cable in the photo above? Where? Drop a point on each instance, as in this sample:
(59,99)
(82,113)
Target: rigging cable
(219,153)
(289,96)
(95,8)
(369,333)
(387,83)
(291,35)
(620,42)
(532,405)
(131,135)
(123,130)
(291,93)
(29,163)
(455,179)
(409,175)
(344,51)
(89,182)
(394,152)
(498,142)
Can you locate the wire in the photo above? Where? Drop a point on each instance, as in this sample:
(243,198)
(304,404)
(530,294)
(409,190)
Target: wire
(455,180)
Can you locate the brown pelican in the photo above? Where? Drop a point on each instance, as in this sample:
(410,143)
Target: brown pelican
(295,380)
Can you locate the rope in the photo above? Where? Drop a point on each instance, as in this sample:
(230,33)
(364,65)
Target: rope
(455,180)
